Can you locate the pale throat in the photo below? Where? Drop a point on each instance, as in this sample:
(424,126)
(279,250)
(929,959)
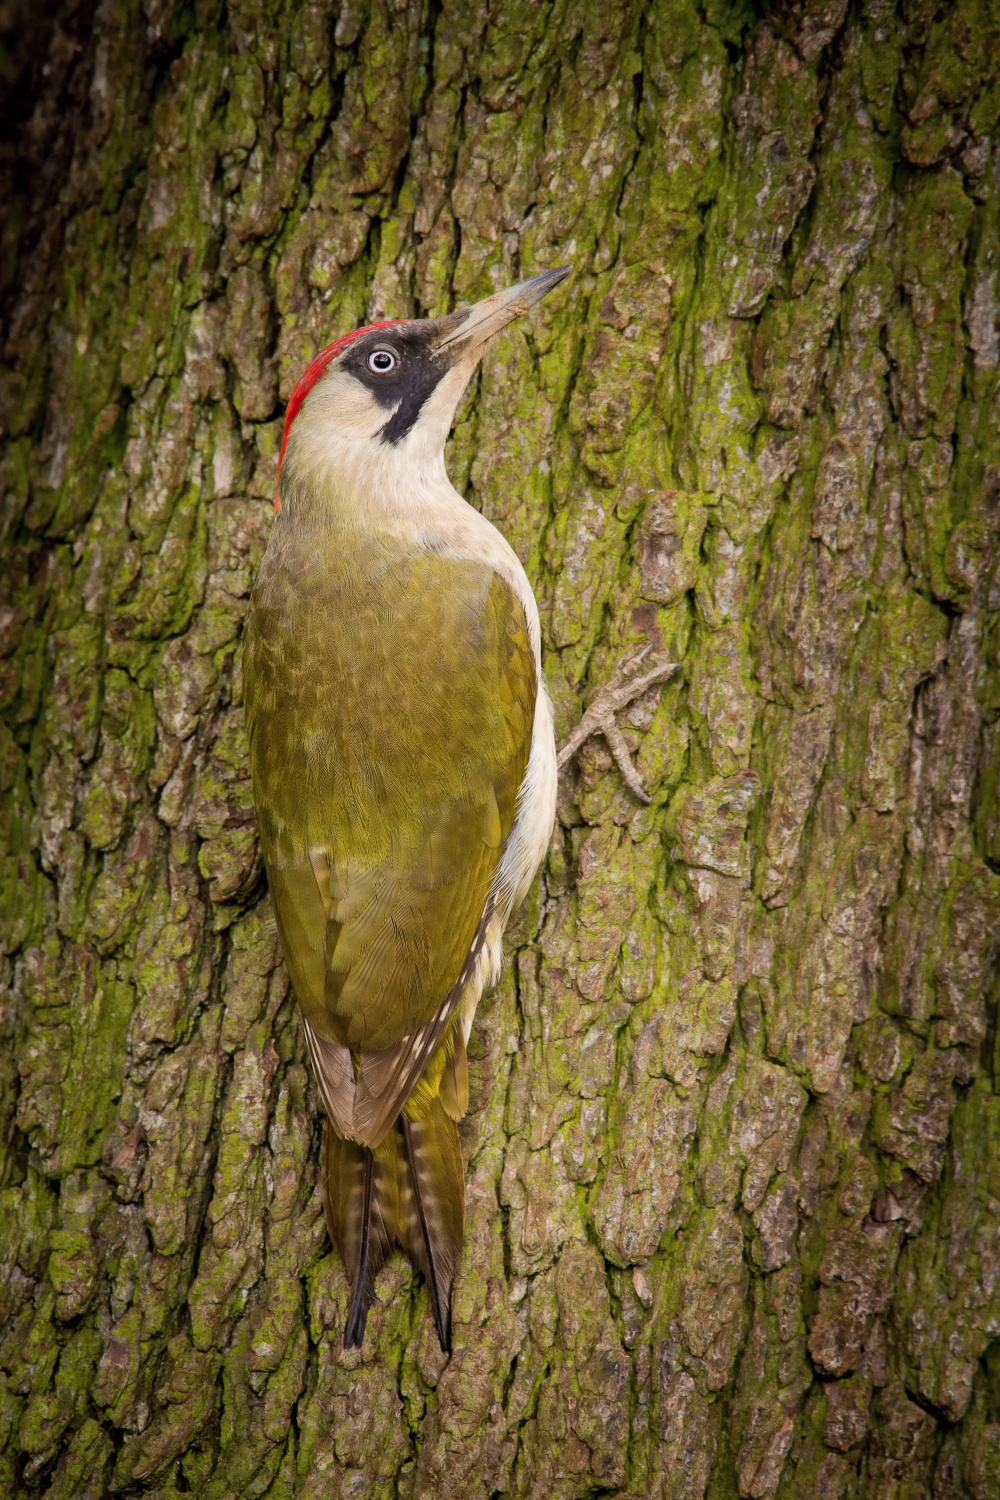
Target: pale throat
(340,472)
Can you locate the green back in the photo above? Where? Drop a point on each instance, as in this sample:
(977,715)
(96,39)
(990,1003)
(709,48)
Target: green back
(390,701)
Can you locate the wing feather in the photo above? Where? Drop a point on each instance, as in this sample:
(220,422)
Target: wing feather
(390,710)
(386,1079)
(335,1076)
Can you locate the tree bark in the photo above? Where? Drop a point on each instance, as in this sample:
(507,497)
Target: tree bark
(733,1156)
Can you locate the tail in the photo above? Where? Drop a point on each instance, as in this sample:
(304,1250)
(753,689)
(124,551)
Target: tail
(409,1191)
(361,1204)
(432,1207)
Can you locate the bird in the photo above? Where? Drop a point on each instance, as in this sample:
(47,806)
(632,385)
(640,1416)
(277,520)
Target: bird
(403,767)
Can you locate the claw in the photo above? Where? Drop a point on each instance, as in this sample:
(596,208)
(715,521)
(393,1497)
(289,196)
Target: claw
(628,683)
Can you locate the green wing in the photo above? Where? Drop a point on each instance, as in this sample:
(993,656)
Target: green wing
(390,705)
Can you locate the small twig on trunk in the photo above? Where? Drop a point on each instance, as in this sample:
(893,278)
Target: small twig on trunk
(599,717)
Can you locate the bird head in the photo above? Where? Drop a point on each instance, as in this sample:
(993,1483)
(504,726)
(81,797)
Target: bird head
(382,399)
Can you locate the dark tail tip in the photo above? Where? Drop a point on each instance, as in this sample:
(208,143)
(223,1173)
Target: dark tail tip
(436,1202)
(357,1317)
(363,1290)
(442,1322)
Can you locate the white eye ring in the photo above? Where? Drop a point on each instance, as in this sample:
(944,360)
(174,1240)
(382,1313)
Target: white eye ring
(381,361)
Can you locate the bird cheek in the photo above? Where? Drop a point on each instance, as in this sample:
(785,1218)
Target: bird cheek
(439,412)
(343,403)
(364,417)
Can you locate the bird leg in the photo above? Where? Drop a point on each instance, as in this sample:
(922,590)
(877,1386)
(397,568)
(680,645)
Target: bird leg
(628,683)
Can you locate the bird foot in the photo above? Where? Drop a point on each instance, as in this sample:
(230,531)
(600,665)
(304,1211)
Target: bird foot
(630,680)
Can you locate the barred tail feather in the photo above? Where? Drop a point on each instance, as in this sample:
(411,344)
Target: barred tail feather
(409,1191)
(361,1203)
(432,1206)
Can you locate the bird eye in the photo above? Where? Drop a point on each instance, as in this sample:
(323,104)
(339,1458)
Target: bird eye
(381,361)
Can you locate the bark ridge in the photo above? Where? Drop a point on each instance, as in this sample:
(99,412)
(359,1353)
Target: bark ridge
(734,1147)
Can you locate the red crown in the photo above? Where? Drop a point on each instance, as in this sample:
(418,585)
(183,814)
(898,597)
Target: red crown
(313,372)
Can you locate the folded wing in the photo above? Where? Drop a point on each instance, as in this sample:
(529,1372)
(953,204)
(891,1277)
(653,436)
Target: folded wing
(390,719)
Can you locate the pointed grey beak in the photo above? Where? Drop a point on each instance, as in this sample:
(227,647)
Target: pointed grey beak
(478,324)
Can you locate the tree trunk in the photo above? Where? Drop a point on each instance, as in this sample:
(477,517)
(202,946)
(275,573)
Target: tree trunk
(733,1157)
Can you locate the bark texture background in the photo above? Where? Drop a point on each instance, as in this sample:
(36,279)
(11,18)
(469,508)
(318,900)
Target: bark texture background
(734,1155)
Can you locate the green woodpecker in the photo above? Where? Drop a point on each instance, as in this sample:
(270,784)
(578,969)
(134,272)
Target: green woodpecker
(404,771)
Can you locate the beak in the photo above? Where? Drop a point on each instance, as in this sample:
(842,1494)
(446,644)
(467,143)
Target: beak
(474,326)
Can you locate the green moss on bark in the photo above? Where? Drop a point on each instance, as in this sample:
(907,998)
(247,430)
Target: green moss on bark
(732,1210)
